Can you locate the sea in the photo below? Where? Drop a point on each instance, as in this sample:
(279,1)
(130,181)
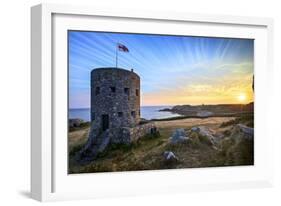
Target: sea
(147,112)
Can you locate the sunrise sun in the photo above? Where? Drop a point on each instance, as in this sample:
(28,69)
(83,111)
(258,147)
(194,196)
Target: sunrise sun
(242,97)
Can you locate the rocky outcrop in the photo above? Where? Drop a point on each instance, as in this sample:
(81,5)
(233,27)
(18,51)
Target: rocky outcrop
(244,132)
(170,157)
(239,146)
(205,134)
(165,110)
(211,110)
(75,122)
(178,136)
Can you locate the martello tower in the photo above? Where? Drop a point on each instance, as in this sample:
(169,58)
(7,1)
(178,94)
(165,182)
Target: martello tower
(115,98)
(115,111)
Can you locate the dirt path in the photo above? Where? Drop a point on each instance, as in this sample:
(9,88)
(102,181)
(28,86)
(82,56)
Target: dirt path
(77,137)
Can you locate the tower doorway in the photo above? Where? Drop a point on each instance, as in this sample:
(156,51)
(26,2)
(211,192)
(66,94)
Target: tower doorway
(105,122)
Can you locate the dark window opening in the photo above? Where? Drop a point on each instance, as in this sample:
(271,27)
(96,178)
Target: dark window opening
(137,92)
(120,114)
(133,113)
(97,90)
(113,89)
(105,122)
(127,91)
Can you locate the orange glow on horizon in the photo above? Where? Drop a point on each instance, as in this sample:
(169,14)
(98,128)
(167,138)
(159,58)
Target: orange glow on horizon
(225,93)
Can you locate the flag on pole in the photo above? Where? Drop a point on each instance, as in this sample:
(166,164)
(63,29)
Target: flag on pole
(122,48)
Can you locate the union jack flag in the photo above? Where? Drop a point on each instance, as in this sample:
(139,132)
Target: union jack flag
(122,48)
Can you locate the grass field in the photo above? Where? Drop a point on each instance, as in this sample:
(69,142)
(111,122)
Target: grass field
(147,153)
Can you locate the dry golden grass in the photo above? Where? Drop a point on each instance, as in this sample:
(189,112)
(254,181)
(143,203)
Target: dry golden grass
(77,137)
(212,122)
(147,154)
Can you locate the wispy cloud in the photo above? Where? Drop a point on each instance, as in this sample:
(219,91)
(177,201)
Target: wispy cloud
(173,69)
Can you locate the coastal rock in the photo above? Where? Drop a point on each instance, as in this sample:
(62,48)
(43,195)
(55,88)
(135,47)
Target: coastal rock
(244,131)
(206,110)
(75,122)
(239,147)
(170,156)
(178,136)
(205,134)
(195,129)
(165,110)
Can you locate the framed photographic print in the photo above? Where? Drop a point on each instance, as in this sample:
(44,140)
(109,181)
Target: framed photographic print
(134,102)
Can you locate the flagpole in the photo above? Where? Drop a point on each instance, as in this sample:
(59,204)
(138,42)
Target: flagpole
(116,55)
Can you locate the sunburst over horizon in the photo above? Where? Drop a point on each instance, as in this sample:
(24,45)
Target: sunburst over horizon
(174,70)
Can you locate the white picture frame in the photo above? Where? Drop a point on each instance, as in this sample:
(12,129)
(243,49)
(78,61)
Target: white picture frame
(50,181)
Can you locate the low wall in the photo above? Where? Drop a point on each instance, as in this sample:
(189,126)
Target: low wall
(128,135)
(141,130)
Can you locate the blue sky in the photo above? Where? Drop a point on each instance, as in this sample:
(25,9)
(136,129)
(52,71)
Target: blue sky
(173,69)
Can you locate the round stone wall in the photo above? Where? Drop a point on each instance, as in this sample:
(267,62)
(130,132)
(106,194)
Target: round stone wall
(115,98)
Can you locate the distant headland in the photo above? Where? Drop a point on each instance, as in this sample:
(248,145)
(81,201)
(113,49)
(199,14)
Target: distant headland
(219,110)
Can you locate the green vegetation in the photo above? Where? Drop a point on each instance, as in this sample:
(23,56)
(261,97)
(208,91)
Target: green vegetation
(246,119)
(75,149)
(195,141)
(237,152)
(147,152)
(122,157)
(128,147)
(205,140)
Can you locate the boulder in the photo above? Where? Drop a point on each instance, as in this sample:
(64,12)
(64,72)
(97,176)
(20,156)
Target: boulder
(75,122)
(195,129)
(170,156)
(205,134)
(178,136)
(244,131)
(239,146)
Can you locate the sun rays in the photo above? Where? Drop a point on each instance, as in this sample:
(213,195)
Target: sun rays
(173,69)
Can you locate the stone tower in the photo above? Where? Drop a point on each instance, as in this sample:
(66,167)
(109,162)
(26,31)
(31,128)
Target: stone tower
(115,98)
(115,111)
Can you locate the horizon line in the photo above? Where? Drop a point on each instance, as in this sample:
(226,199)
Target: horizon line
(177,105)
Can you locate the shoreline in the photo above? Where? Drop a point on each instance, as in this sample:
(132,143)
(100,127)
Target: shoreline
(186,111)
(191,117)
(203,117)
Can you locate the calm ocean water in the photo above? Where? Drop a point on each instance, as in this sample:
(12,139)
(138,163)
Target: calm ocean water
(147,112)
